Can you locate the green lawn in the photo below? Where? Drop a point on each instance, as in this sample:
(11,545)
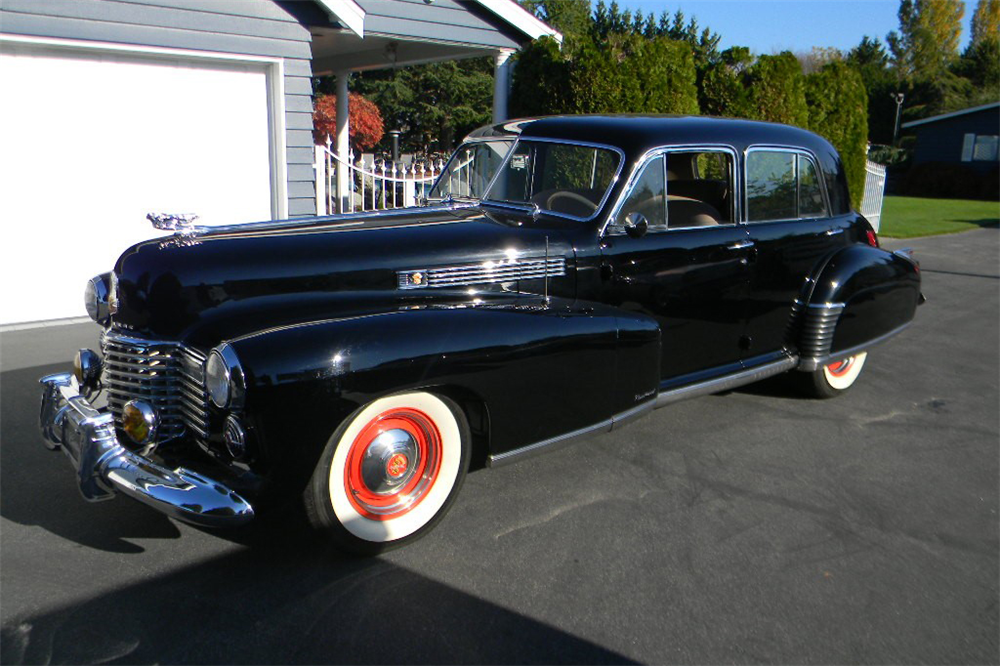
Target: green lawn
(909,217)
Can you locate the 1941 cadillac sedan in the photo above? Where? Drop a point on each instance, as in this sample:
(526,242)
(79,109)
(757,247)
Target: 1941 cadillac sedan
(362,364)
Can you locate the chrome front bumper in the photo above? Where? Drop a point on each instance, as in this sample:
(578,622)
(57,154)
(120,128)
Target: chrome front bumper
(104,466)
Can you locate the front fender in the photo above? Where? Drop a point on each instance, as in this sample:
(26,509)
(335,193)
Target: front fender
(539,371)
(862,296)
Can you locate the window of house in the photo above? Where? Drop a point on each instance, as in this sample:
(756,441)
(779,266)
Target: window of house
(980,148)
(783,186)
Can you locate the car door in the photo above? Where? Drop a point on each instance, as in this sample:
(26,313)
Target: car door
(787,215)
(683,261)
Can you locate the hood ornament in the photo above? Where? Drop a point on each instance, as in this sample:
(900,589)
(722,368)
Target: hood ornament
(181,223)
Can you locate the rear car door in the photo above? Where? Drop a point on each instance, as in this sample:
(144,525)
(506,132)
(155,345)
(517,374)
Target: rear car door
(787,214)
(689,270)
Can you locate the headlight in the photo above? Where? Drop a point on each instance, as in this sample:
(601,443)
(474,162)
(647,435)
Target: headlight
(224,378)
(95,298)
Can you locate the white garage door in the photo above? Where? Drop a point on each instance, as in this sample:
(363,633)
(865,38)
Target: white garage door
(92,142)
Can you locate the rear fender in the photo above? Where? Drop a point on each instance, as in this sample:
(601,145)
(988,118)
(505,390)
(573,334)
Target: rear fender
(862,296)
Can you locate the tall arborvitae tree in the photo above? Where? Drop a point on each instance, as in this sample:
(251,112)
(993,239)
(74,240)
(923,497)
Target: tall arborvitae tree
(838,110)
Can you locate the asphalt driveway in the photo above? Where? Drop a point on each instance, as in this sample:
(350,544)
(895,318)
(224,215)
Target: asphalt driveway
(746,527)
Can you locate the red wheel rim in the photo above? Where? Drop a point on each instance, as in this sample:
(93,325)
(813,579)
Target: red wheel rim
(840,368)
(402,477)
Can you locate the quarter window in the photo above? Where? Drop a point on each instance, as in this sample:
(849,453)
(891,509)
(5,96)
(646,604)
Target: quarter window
(782,186)
(810,193)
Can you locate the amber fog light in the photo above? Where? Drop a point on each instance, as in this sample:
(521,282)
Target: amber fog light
(139,421)
(87,369)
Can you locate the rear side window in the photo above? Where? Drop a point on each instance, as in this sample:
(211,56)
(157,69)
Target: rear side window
(783,186)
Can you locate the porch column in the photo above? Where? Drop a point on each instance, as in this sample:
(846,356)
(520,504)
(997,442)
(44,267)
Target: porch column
(342,144)
(501,84)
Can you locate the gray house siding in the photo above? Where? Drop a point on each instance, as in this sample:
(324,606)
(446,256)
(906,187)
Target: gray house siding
(443,20)
(243,27)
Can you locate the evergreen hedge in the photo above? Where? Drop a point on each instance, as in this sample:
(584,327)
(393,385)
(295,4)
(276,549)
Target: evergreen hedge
(838,111)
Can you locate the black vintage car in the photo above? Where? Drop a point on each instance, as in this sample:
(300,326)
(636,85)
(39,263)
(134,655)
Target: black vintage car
(361,364)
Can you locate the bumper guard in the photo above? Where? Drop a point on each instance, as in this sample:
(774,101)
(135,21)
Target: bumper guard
(104,466)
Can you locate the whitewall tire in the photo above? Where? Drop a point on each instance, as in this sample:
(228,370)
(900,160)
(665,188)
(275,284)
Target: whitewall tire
(390,472)
(833,379)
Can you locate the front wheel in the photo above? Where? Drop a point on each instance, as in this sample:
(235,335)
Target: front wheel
(390,472)
(833,379)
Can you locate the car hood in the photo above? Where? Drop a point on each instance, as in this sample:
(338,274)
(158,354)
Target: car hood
(207,287)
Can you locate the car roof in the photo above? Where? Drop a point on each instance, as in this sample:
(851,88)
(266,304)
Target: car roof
(636,134)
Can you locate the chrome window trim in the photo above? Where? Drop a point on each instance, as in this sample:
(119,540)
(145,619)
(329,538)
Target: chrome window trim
(650,155)
(565,142)
(762,147)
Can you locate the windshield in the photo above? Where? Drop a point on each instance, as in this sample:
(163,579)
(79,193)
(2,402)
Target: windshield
(565,179)
(470,169)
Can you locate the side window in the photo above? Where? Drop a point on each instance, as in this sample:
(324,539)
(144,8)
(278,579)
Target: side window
(648,196)
(699,188)
(783,186)
(770,186)
(811,202)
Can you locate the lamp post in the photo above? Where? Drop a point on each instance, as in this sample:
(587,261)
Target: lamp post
(898,98)
(395,144)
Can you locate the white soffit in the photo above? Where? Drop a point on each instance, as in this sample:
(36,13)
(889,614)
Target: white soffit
(521,19)
(347,12)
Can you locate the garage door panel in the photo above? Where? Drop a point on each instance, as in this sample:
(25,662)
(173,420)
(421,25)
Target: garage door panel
(92,143)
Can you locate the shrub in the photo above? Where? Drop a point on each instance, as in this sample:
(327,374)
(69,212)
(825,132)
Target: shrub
(944,180)
(365,119)
(837,104)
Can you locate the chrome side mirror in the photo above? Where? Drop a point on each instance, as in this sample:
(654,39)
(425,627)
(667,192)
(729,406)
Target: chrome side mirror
(636,224)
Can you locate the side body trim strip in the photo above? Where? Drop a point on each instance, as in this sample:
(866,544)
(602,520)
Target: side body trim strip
(719,384)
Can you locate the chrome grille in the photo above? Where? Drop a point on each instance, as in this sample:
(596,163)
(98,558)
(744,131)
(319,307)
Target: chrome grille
(167,375)
(482,273)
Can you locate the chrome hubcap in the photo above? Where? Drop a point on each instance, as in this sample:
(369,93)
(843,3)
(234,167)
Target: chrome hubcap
(390,461)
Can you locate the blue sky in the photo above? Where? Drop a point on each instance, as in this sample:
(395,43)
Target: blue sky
(793,25)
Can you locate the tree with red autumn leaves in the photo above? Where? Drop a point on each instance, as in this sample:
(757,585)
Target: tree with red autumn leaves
(367,127)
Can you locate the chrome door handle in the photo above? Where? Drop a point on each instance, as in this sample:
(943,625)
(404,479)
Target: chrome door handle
(742,245)
(835,231)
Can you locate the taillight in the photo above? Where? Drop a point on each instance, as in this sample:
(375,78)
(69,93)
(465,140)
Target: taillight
(872,238)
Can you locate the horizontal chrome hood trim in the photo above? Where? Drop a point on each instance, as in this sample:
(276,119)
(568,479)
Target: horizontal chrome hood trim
(342,220)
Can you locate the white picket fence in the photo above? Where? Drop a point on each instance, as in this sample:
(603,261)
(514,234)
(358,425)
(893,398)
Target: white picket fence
(871,202)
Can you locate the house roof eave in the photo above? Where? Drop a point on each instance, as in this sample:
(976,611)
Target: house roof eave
(953,114)
(351,15)
(520,18)
(347,12)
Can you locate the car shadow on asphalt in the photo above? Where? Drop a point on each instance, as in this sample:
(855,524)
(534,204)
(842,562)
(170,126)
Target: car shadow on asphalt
(287,606)
(287,596)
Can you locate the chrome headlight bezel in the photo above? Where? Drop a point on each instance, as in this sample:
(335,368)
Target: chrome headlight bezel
(96,298)
(224,378)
